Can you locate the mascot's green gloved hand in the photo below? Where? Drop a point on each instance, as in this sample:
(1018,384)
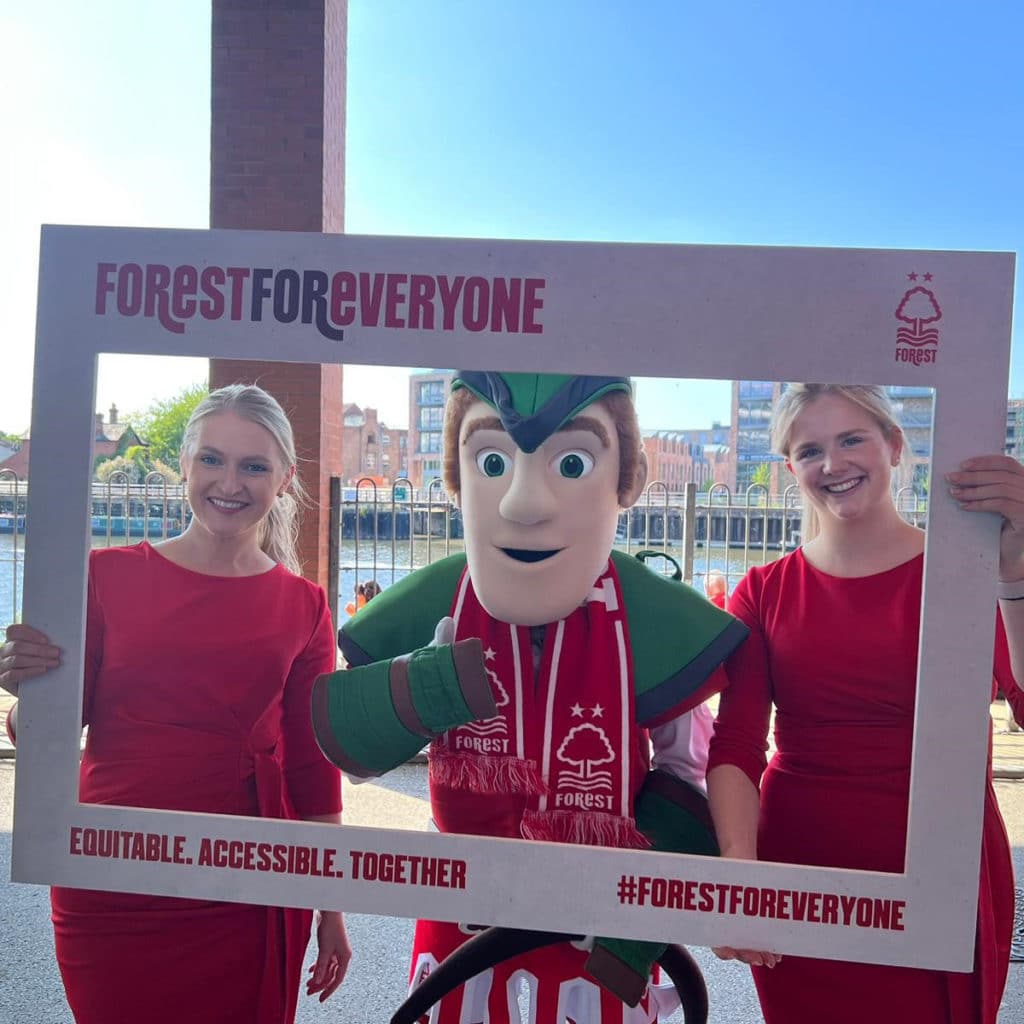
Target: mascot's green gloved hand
(623,966)
(375,717)
(675,818)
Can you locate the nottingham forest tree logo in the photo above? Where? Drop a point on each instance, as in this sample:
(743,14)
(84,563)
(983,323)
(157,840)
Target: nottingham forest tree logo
(916,341)
(586,748)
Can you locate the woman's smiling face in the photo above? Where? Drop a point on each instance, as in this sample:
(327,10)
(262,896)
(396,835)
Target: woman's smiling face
(234,475)
(841,457)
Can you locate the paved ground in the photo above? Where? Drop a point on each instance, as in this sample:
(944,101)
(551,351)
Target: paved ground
(31,993)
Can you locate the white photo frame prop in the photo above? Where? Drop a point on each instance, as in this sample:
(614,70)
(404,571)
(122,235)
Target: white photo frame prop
(938,319)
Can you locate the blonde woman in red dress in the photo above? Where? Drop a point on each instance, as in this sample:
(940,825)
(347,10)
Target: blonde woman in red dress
(833,646)
(201,653)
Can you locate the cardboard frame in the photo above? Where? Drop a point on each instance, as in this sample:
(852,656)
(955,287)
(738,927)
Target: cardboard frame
(654,310)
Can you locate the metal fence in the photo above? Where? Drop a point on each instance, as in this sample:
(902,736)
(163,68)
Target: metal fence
(383,534)
(120,512)
(13,508)
(389,531)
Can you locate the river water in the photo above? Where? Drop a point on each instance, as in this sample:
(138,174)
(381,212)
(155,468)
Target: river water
(383,562)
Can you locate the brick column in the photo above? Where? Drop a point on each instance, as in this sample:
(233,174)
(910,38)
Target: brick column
(277,162)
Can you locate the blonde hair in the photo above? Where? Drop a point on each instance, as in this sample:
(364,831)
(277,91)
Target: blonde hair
(872,398)
(279,530)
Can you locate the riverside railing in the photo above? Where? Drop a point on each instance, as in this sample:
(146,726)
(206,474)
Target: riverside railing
(385,533)
(120,512)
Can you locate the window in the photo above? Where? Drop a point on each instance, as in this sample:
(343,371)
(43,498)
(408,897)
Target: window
(432,417)
(753,412)
(753,442)
(756,388)
(431,392)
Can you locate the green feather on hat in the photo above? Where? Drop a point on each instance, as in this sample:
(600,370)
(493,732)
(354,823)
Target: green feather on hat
(532,406)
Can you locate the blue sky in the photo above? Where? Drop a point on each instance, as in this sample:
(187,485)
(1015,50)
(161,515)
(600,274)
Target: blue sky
(849,124)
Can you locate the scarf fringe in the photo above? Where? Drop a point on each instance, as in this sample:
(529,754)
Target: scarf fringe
(586,828)
(486,774)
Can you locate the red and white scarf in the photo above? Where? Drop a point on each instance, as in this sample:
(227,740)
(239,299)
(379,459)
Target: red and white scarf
(564,736)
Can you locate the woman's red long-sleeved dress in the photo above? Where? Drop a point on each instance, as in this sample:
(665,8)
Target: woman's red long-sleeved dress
(197,698)
(838,657)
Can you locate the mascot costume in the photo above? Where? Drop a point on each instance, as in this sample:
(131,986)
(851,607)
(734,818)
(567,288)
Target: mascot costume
(556,665)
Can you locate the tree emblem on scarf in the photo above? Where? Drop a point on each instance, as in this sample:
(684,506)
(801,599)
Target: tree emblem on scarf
(586,746)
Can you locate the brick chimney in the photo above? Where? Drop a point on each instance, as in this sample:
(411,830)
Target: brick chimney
(113,414)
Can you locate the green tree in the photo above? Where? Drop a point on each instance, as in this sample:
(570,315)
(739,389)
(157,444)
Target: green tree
(14,439)
(106,468)
(761,477)
(169,473)
(139,458)
(137,463)
(162,425)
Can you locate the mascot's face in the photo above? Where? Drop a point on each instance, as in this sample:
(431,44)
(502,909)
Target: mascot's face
(539,528)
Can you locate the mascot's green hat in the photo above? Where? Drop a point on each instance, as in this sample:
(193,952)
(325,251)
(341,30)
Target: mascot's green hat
(532,406)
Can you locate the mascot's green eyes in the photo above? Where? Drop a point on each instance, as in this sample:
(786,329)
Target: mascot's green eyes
(573,465)
(570,465)
(493,463)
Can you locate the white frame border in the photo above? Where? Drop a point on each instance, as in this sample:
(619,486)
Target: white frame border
(720,312)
